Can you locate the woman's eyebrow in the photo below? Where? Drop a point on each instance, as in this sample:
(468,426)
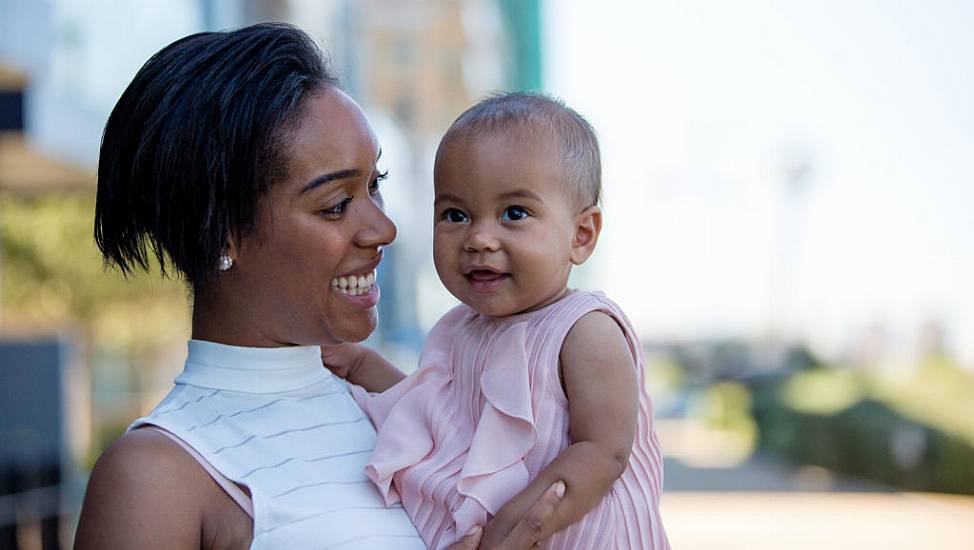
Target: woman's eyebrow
(329,177)
(332,176)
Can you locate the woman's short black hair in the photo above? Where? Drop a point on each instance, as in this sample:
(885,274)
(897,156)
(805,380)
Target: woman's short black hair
(196,140)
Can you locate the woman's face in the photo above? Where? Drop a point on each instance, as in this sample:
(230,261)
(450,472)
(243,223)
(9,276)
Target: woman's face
(316,230)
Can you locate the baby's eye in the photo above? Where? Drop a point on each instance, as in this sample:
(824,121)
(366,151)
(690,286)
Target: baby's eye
(453,215)
(514,213)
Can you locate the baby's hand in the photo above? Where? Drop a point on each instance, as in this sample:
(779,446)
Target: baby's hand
(342,359)
(361,366)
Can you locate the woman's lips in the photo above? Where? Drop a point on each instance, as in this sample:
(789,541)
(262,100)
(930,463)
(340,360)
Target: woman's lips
(364,299)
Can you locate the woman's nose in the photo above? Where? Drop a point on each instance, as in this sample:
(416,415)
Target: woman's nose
(378,229)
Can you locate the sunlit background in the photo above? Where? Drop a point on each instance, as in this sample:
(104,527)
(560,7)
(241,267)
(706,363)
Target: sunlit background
(788,196)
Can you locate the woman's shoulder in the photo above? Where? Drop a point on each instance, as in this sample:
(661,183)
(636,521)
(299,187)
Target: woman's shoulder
(142,485)
(140,456)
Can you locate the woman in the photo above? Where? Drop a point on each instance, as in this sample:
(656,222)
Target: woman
(236,156)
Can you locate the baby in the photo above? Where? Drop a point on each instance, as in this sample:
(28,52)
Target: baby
(527,382)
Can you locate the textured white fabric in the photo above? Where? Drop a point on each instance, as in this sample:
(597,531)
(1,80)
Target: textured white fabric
(276,421)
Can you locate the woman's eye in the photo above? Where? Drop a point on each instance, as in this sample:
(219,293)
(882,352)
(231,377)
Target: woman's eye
(514,213)
(338,209)
(379,178)
(454,216)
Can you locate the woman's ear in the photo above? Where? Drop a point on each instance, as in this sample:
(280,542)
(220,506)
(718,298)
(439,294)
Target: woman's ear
(230,253)
(588,225)
(230,249)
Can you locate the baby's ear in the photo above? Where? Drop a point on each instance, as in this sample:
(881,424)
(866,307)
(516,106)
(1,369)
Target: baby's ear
(588,225)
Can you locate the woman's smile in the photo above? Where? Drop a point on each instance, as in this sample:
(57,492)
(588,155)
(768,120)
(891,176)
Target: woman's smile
(354,285)
(360,290)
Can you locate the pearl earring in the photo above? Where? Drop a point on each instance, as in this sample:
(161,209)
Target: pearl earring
(226,262)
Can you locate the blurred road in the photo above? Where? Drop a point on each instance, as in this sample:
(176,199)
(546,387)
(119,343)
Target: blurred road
(763,503)
(797,520)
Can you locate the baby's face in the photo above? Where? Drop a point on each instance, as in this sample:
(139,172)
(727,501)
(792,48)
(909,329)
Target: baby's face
(503,222)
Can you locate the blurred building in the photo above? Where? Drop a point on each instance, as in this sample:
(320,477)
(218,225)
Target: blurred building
(44,401)
(414,66)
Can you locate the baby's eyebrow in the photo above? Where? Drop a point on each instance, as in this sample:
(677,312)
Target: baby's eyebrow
(521,194)
(446,197)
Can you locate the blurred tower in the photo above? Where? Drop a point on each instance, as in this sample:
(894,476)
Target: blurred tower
(797,172)
(523,20)
(415,66)
(932,340)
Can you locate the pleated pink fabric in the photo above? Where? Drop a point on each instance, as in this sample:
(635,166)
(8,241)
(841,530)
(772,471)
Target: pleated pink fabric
(485,412)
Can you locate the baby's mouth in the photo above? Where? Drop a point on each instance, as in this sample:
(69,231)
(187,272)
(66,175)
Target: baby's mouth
(485,280)
(354,285)
(485,275)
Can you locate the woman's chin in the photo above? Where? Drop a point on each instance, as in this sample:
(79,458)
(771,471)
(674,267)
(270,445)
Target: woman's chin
(356,317)
(355,328)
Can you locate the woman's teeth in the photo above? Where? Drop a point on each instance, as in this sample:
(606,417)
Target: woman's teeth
(354,285)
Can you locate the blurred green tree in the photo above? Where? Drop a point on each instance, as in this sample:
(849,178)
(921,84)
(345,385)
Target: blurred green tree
(53,276)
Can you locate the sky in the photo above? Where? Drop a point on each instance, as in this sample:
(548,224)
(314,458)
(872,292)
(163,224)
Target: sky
(791,168)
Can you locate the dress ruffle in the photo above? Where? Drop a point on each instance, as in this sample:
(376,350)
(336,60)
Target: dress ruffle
(494,469)
(406,438)
(494,448)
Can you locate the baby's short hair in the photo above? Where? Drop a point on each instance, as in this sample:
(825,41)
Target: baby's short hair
(549,115)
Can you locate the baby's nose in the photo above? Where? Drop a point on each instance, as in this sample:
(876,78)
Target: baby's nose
(480,239)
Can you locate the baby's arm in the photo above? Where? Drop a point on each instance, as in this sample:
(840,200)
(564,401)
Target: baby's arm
(361,366)
(600,381)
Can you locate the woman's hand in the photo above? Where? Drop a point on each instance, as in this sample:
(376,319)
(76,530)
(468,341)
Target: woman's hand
(529,530)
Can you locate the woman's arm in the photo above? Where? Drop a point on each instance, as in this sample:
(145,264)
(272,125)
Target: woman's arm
(145,493)
(361,366)
(600,381)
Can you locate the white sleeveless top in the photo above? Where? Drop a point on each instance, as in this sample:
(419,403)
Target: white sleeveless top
(276,421)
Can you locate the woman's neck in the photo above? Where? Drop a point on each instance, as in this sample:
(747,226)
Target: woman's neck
(220,316)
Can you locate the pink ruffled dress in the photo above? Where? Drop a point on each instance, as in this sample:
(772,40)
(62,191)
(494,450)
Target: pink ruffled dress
(485,412)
